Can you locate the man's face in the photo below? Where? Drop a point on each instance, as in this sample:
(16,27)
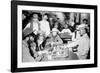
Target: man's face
(45,17)
(54,33)
(50,19)
(27,38)
(82,31)
(84,22)
(35,16)
(56,26)
(66,26)
(31,38)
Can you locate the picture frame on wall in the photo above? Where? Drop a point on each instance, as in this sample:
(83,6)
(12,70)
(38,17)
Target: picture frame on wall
(52,36)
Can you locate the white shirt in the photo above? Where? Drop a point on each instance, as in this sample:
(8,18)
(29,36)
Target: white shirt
(44,26)
(35,26)
(84,45)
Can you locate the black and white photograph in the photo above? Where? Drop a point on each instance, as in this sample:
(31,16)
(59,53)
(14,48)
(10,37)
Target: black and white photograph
(54,36)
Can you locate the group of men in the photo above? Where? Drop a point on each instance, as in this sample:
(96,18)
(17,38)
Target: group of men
(42,28)
(39,26)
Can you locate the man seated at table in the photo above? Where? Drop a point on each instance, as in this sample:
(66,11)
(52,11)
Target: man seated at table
(40,40)
(66,30)
(83,43)
(54,38)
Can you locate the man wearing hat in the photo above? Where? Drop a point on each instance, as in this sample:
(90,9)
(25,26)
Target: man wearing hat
(83,43)
(54,37)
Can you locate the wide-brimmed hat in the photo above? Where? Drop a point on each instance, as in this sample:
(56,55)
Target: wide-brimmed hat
(55,30)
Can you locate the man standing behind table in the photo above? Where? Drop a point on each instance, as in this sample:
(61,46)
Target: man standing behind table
(44,25)
(35,24)
(83,43)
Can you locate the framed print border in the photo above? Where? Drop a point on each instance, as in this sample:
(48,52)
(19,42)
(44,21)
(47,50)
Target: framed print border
(14,35)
